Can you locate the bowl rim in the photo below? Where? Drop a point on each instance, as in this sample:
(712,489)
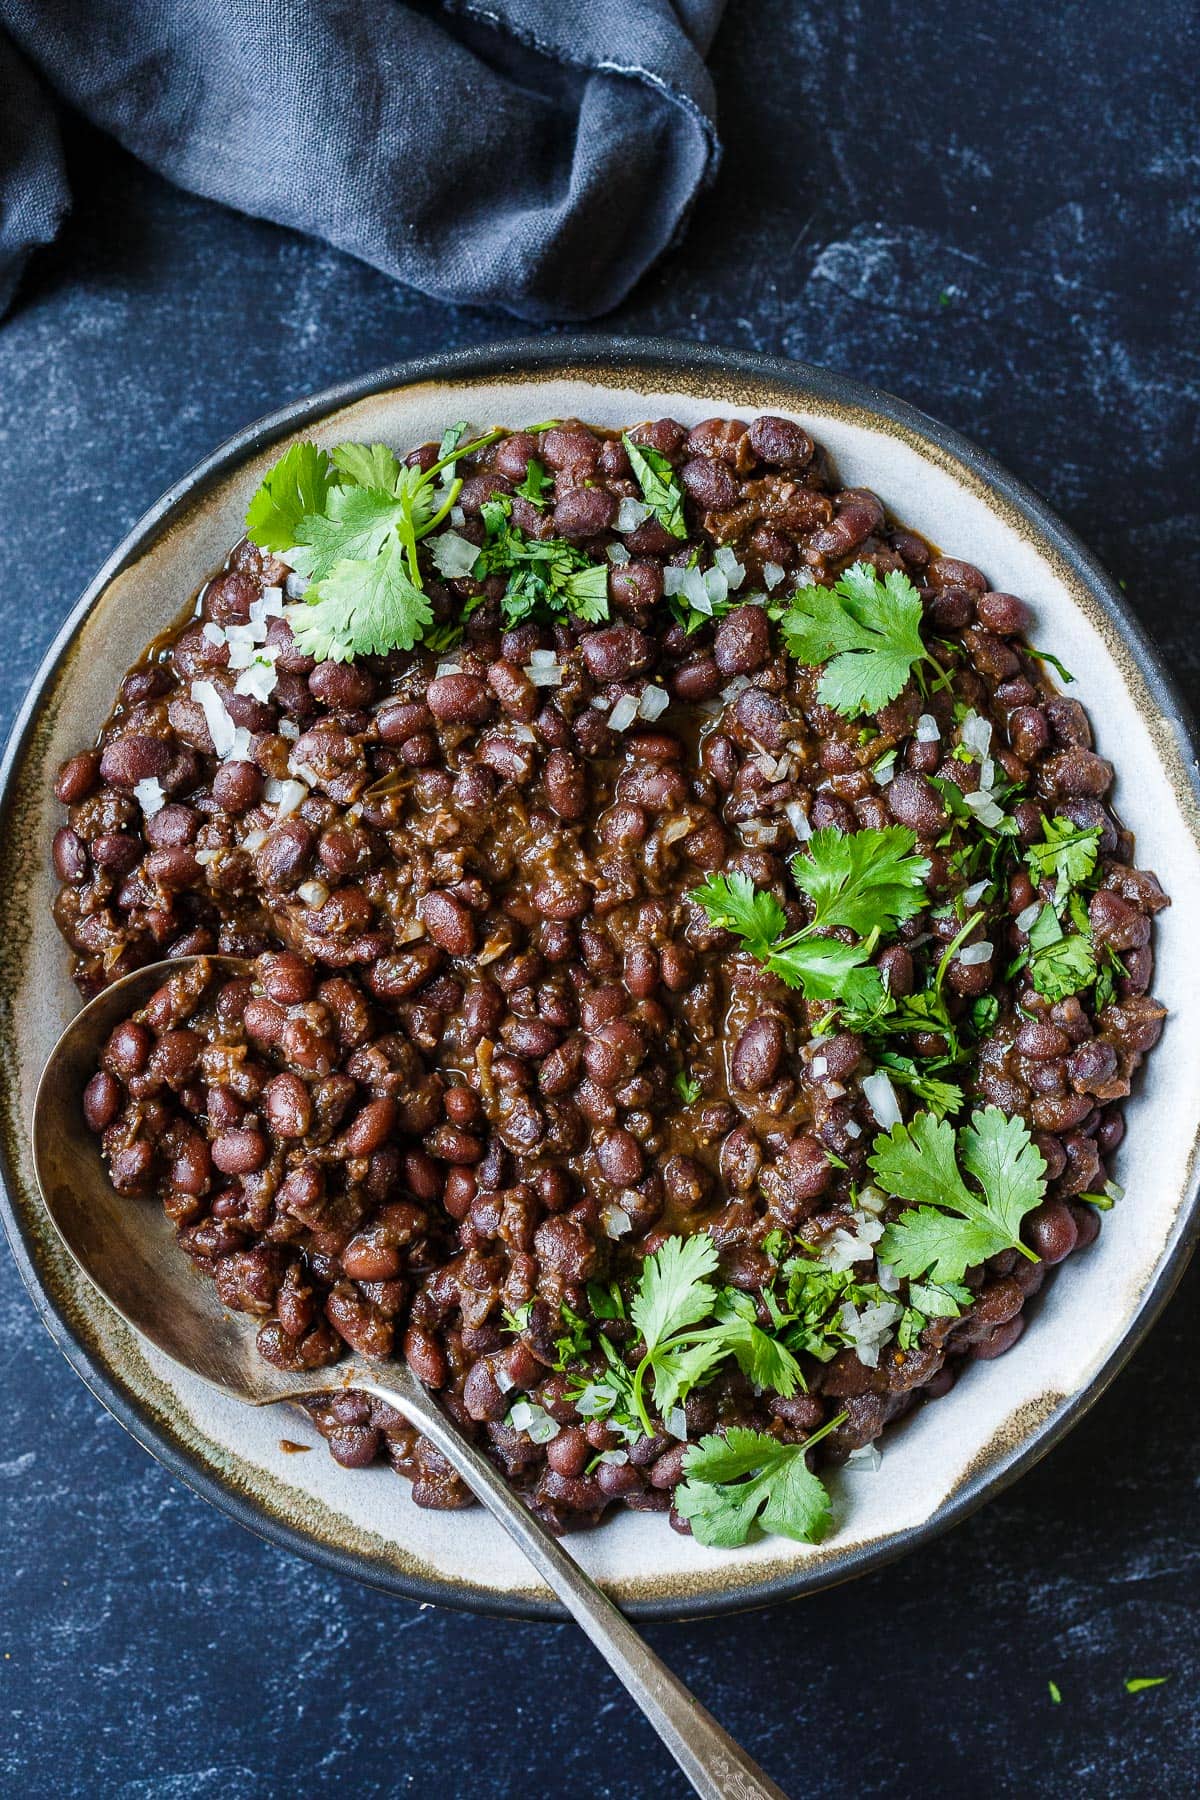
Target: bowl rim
(638,359)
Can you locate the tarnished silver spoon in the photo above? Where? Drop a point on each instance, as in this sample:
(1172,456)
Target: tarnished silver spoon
(128,1251)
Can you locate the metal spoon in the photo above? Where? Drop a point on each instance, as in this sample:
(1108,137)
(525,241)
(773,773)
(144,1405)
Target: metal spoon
(127,1249)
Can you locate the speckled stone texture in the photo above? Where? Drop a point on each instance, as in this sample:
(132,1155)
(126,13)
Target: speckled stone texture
(990,209)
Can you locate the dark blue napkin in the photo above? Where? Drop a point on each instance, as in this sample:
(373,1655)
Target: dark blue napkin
(531,154)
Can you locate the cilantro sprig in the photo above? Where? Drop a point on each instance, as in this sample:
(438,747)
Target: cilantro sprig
(866,629)
(660,490)
(747,1481)
(348,522)
(862,881)
(673,1296)
(954,1225)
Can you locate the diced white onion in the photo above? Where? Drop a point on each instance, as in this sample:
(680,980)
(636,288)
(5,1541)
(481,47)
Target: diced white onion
(798,820)
(259,680)
(254,840)
(524,734)
(544,669)
(616,1457)
(733,688)
(928,729)
(888,1278)
(818,1068)
(974,894)
(863,1461)
(221,728)
(853,1128)
(618,555)
(833,1090)
(204,857)
(149,795)
(676,829)
(214,633)
(286,795)
(447,668)
(676,1423)
(269,605)
(313,893)
(534,1421)
(756,832)
(872,1199)
(733,571)
(303,773)
(690,583)
(1027,915)
(869,1329)
(596,1399)
(503,1379)
(288,728)
(631,513)
(880,1096)
(987,774)
(974,954)
(716,586)
(976,734)
(453,556)
(653,703)
(984,808)
(1114,1190)
(296,586)
(773,574)
(600,702)
(457,516)
(615,1220)
(624,712)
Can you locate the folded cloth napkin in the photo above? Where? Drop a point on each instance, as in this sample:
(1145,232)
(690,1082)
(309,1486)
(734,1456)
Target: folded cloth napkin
(531,154)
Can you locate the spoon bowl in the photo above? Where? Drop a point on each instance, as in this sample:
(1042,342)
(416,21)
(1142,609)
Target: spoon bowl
(126,1247)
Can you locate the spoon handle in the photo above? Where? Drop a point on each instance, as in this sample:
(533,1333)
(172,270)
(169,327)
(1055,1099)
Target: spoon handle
(717,1768)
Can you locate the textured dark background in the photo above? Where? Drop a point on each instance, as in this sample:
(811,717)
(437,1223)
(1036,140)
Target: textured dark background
(988,207)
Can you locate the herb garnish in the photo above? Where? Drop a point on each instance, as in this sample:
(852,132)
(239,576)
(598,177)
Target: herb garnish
(536,481)
(862,881)
(748,1479)
(955,1226)
(660,490)
(348,521)
(547,577)
(867,629)
(687,1087)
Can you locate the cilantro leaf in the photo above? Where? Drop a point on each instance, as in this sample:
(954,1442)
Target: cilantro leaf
(368,466)
(734,904)
(354,527)
(1066,853)
(954,1226)
(660,490)
(748,1479)
(862,880)
(296,487)
(673,1292)
(534,486)
(363,608)
(868,632)
(826,969)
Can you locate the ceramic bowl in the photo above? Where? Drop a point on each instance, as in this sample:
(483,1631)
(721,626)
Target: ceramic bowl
(946,1458)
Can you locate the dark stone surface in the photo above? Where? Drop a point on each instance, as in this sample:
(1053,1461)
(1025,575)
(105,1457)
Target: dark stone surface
(989,209)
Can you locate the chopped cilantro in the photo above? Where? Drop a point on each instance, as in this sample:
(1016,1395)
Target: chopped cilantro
(536,481)
(687,1088)
(547,577)
(1067,854)
(867,630)
(660,490)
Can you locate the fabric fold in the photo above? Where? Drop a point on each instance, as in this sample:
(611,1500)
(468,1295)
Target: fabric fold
(537,157)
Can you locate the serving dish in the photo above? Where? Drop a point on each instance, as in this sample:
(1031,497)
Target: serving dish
(1003,1416)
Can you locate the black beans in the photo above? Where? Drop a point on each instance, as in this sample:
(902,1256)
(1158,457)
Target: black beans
(492,1048)
(757,1054)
